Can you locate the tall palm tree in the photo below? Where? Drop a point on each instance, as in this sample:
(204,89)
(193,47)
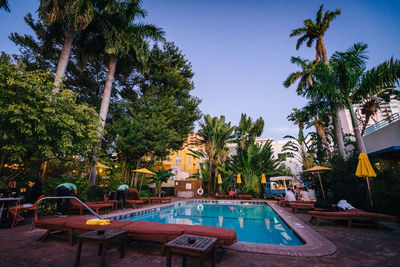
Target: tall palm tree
(215,133)
(122,39)
(74,15)
(247,130)
(356,84)
(4,5)
(315,31)
(305,88)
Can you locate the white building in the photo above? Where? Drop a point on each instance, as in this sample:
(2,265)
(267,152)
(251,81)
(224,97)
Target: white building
(385,111)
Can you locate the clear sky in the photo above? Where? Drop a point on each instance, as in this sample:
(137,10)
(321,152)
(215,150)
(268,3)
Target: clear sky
(240,50)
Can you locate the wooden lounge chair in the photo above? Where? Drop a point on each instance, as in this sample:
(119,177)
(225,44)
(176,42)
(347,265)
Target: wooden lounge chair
(301,206)
(22,208)
(160,199)
(247,197)
(350,216)
(220,196)
(93,205)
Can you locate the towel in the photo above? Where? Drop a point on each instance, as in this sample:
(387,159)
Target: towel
(343,204)
(97,222)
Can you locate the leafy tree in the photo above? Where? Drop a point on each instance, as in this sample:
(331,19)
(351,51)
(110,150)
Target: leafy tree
(160,115)
(300,118)
(35,129)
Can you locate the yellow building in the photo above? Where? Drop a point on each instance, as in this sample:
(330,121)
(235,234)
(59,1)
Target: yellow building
(183,165)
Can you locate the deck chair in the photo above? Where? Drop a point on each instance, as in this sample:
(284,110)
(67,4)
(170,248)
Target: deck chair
(22,208)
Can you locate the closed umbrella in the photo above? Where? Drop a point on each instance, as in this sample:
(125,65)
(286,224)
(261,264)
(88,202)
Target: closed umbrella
(263,179)
(364,169)
(318,170)
(238,180)
(219,179)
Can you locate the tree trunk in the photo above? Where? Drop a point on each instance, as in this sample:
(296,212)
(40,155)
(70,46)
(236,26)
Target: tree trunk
(339,134)
(364,126)
(357,133)
(209,175)
(136,174)
(324,54)
(3,158)
(105,103)
(215,182)
(64,57)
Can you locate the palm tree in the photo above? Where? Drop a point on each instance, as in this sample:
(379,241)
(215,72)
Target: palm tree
(300,118)
(215,133)
(122,39)
(74,15)
(315,31)
(247,131)
(356,84)
(4,5)
(305,88)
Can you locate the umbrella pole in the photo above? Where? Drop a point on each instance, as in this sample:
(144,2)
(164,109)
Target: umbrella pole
(369,192)
(320,182)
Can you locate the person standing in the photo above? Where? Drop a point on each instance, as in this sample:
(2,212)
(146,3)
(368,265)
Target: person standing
(62,190)
(121,194)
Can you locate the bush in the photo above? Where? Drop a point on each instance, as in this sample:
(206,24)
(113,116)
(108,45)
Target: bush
(95,193)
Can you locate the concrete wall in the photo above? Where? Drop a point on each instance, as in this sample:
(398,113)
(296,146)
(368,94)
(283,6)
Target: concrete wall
(383,138)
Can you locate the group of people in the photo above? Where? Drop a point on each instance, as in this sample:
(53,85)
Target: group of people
(297,194)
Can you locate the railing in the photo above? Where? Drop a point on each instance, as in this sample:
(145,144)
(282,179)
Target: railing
(383,123)
(64,197)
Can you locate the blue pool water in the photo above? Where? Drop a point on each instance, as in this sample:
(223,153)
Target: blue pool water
(256,223)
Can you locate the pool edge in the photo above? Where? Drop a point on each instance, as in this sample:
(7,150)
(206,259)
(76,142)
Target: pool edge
(314,245)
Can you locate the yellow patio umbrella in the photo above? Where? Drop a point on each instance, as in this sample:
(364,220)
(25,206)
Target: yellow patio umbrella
(263,179)
(238,180)
(318,169)
(364,169)
(144,170)
(219,179)
(100,165)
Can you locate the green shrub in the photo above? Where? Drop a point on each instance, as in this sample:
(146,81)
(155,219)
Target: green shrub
(95,193)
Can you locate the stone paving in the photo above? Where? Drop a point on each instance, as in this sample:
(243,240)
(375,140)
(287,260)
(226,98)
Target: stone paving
(358,246)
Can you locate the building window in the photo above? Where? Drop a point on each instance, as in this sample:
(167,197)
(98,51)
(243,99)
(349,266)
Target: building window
(178,160)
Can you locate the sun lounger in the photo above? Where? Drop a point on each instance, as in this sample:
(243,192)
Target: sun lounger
(221,196)
(350,215)
(300,206)
(160,199)
(133,203)
(93,205)
(247,197)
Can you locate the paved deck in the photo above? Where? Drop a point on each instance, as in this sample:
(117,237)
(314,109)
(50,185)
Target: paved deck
(358,246)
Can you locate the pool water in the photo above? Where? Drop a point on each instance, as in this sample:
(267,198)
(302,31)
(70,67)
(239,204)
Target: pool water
(256,223)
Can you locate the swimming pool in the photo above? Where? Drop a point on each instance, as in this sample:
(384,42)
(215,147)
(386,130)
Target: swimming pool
(253,222)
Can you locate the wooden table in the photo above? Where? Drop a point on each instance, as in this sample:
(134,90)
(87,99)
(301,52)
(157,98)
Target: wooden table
(200,248)
(102,240)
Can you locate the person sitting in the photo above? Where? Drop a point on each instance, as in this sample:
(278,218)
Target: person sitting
(34,192)
(290,195)
(64,189)
(11,189)
(304,195)
(121,194)
(231,193)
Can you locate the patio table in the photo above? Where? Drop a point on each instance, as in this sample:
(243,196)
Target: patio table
(200,248)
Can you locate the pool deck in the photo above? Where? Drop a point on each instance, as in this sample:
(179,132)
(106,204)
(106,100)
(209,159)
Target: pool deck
(358,246)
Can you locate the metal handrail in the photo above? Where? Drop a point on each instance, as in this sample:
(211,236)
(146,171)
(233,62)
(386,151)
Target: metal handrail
(62,197)
(382,123)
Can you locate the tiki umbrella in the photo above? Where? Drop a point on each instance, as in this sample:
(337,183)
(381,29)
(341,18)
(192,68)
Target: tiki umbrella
(318,170)
(364,169)
(144,171)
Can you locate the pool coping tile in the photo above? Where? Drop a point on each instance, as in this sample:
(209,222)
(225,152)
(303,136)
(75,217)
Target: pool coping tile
(314,245)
